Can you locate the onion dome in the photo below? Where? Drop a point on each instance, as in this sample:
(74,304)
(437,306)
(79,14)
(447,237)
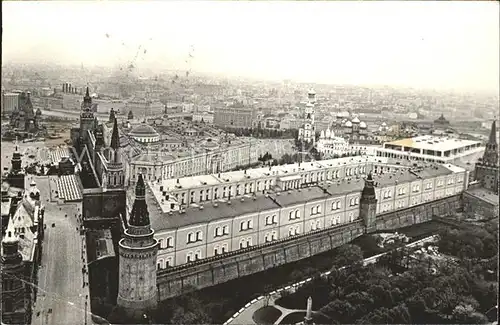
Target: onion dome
(362,125)
(355,120)
(384,124)
(348,124)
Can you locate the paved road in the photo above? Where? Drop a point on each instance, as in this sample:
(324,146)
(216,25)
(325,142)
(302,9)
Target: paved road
(61,296)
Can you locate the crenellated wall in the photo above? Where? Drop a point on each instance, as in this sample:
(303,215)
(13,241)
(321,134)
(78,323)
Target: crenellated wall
(212,271)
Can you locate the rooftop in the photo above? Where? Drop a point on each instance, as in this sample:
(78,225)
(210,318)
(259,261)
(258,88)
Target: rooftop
(99,244)
(484,194)
(220,209)
(209,212)
(433,143)
(274,171)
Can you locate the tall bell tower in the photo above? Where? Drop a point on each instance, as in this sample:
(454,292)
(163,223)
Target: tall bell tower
(138,250)
(368,205)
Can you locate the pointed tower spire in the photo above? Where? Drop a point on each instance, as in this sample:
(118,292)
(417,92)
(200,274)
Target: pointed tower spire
(112,115)
(490,157)
(115,139)
(87,92)
(493,133)
(139,216)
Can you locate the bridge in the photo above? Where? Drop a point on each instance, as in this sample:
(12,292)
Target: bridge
(208,272)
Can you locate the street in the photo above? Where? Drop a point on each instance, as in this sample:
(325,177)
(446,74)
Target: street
(61,295)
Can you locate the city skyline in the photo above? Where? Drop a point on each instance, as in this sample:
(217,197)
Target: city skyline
(442,45)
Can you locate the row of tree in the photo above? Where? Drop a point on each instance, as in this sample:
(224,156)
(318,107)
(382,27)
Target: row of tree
(264,133)
(455,294)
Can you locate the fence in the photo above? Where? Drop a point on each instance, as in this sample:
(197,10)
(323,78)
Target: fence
(292,288)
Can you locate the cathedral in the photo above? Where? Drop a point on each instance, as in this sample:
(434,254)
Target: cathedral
(24,117)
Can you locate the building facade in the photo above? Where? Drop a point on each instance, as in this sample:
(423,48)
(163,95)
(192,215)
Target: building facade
(206,217)
(23,214)
(430,148)
(234,116)
(158,166)
(10,102)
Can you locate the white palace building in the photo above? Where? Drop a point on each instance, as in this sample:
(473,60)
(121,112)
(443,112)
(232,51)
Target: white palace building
(206,215)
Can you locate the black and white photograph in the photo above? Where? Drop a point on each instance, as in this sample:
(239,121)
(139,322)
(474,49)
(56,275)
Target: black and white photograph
(250,162)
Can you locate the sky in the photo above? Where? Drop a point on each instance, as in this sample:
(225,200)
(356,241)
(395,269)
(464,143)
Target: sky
(434,45)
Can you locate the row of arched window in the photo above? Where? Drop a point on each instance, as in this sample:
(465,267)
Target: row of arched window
(294,214)
(354,201)
(271,236)
(191,257)
(271,220)
(220,249)
(293,230)
(221,231)
(245,242)
(194,237)
(164,263)
(316,209)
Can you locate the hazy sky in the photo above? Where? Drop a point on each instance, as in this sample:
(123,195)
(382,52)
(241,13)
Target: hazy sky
(440,45)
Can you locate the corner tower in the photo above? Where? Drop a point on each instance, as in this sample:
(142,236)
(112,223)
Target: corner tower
(138,250)
(487,170)
(368,205)
(14,306)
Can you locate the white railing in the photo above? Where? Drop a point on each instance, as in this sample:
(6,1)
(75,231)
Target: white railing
(295,286)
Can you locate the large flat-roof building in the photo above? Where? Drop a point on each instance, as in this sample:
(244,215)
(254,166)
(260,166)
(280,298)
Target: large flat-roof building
(208,215)
(430,149)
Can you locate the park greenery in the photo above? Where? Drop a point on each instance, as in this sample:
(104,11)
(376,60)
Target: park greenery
(460,292)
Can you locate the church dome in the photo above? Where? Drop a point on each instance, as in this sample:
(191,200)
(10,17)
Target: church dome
(348,124)
(144,133)
(362,125)
(355,120)
(384,124)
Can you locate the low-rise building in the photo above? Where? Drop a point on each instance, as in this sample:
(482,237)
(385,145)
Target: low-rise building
(429,148)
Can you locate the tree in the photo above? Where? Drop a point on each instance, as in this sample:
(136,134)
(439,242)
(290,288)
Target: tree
(348,254)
